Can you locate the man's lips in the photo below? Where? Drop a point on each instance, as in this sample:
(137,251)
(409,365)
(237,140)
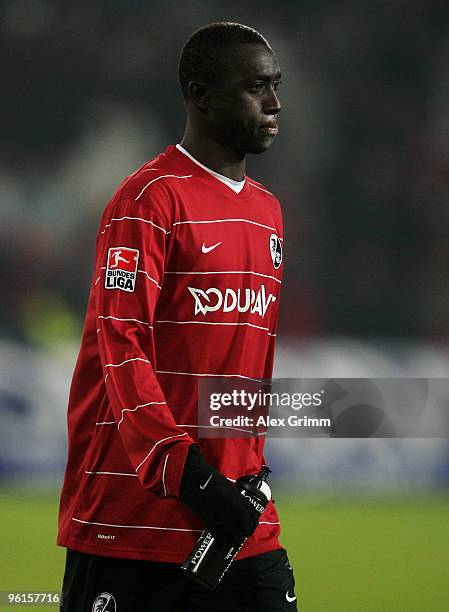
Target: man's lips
(269,128)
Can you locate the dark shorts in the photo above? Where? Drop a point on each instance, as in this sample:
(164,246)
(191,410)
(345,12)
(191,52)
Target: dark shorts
(263,583)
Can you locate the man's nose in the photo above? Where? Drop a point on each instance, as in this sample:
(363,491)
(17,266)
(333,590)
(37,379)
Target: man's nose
(272,103)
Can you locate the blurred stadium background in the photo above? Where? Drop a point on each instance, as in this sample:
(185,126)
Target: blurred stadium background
(361,167)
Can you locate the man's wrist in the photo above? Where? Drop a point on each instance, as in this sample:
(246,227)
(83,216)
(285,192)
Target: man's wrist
(195,472)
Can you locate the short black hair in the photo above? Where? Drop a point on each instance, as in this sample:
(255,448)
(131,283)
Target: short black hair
(202,52)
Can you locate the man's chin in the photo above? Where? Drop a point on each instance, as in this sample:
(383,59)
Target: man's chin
(261,146)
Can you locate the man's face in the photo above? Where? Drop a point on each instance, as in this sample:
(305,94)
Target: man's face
(243,102)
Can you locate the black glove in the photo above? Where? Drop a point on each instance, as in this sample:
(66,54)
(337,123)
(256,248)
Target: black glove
(218,501)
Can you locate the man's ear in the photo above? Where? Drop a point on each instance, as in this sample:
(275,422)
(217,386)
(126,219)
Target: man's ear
(198,95)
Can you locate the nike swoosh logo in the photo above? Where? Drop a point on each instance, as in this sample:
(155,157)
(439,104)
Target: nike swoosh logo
(288,598)
(203,486)
(206,249)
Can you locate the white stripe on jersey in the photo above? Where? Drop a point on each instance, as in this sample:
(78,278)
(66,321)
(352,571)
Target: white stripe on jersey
(255,434)
(135,526)
(215,323)
(217,427)
(134,409)
(117,365)
(134,219)
(217,375)
(198,427)
(184,425)
(163,440)
(261,189)
(153,526)
(163,474)
(161,177)
(150,278)
(227,272)
(119,319)
(112,473)
(226,221)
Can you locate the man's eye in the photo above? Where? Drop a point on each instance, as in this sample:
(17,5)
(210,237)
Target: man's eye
(256,86)
(276,85)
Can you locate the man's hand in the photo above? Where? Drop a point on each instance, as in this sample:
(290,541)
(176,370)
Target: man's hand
(225,512)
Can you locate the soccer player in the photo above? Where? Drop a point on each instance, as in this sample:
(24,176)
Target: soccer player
(186,285)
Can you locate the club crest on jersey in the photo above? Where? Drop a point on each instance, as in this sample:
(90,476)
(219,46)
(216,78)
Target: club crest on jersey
(275,251)
(121,269)
(105,602)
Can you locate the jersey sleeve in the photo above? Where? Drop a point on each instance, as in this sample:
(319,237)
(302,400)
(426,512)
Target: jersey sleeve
(132,248)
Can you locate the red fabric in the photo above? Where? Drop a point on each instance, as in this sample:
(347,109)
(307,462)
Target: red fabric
(132,408)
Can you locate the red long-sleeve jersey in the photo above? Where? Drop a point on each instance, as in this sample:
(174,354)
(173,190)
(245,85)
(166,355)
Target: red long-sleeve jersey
(186,285)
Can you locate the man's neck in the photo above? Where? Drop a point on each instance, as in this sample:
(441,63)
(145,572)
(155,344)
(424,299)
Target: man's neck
(211,154)
(236,186)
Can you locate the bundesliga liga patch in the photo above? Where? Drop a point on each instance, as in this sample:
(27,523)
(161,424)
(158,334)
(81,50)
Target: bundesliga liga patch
(121,269)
